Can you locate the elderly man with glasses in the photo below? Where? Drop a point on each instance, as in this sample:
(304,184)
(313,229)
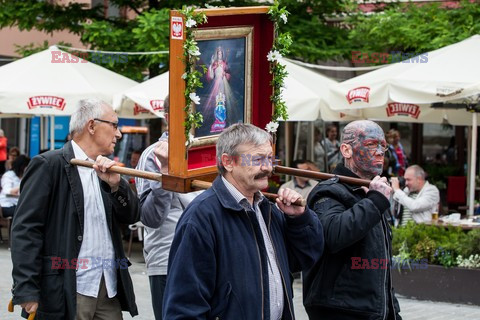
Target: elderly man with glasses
(352,279)
(67,251)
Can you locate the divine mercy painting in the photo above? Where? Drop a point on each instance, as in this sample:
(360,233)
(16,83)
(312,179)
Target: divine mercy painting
(222,98)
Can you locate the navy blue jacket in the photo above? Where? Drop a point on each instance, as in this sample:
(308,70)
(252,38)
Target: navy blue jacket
(218,261)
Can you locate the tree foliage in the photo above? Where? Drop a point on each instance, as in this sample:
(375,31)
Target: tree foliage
(314,38)
(400,27)
(413,27)
(147,32)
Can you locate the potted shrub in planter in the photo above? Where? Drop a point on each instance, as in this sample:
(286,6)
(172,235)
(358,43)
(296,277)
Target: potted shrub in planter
(437,264)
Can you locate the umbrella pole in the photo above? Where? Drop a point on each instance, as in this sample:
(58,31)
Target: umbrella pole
(311,142)
(297,140)
(41,133)
(323,139)
(473,154)
(52,132)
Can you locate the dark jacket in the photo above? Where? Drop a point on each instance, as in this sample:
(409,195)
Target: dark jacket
(351,281)
(48,223)
(218,261)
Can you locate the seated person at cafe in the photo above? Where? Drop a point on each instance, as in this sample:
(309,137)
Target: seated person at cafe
(11,185)
(13,153)
(419,198)
(299,184)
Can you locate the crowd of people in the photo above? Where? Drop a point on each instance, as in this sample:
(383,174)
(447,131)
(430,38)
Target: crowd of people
(224,253)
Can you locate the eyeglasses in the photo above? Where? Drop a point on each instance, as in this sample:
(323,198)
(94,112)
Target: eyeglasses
(114,124)
(374,145)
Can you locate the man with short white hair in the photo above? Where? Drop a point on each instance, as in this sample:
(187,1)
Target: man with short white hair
(67,250)
(233,251)
(419,198)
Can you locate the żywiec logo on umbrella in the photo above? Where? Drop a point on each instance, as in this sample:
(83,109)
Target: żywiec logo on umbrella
(157,105)
(358,94)
(137,109)
(46,102)
(403,109)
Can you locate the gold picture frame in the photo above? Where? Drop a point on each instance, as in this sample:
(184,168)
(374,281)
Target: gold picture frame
(226,95)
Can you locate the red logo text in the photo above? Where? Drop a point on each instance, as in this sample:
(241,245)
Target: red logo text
(403,109)
(358,94)
(137,109)
(46,102)
(157,105)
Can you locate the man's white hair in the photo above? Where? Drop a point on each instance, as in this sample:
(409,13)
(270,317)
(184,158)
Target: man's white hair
(87,109)
(418,171)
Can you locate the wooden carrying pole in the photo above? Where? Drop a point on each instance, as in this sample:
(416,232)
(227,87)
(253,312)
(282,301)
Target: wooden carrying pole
(320,175)
(196,184)
(122,170)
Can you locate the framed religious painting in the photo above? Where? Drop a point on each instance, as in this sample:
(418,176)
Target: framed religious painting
(235,79)
(225,94)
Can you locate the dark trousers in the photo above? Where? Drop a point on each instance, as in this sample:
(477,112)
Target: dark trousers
(8,211)
(318,313)
(157,288)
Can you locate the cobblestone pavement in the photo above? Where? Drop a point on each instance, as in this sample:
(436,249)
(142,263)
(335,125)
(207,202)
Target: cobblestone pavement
(411,309)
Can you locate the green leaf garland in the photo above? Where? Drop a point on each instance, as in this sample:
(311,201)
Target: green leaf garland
(192,76)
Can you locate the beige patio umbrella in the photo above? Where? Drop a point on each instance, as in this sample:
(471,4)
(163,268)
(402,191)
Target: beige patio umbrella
(145,100)
(51,83)
(304,94)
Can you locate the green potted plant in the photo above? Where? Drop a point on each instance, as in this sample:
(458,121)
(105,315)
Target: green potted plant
(429,259)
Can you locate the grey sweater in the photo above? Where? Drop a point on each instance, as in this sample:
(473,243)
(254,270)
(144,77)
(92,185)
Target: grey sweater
(160,211)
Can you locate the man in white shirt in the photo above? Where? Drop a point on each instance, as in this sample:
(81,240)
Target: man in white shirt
(67,251)
(419,198)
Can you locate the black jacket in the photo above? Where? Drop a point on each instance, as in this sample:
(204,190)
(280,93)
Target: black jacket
(351,281)
(48,223)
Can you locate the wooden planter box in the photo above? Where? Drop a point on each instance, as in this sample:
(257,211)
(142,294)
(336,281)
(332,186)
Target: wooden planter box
(437,283)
